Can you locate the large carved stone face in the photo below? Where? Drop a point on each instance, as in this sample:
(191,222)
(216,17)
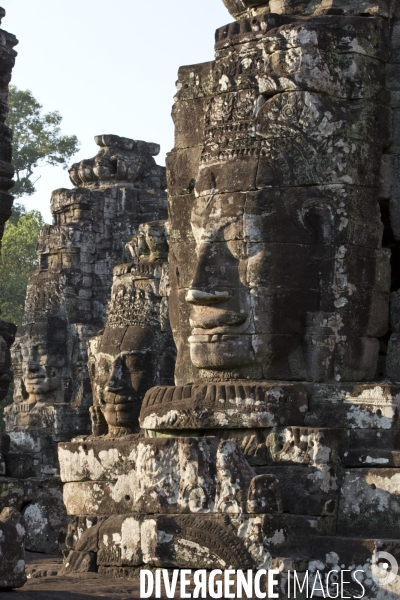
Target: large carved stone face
(122,371)
(257,252)
(240,280)
(44,357)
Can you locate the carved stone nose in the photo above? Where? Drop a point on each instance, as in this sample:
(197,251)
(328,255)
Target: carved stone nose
(201,297)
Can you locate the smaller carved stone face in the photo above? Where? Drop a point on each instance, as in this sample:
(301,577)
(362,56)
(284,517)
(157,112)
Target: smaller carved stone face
(122,371)
(42,372)
(44,358)
(156,239)
(150,243)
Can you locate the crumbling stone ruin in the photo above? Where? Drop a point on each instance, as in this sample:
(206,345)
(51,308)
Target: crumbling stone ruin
(115,192)
(7,61)
(12,531)
(12,526)
(278,444)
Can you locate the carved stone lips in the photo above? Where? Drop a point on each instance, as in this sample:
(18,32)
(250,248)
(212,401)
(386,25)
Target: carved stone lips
(211,318)
(211,338)
(113,397)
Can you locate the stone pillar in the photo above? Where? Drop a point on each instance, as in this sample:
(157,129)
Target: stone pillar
(390,200)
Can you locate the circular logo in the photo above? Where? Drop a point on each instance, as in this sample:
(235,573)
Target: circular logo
(384,568)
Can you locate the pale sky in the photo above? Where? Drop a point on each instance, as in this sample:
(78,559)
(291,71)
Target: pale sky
(107,67)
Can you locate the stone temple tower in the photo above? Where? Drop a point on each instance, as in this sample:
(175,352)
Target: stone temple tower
(67,297)
(278,444)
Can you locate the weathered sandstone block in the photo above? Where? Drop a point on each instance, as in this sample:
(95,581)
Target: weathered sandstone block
(370,503)
(163,475)
(12,554)
(241,8)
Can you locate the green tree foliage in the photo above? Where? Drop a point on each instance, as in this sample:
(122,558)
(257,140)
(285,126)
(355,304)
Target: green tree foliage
(18,260)
(37,139)
(18,211)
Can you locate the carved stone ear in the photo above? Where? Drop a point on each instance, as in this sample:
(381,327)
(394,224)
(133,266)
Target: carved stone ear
(24,393)
(318,220)
(99,424)
(133,247)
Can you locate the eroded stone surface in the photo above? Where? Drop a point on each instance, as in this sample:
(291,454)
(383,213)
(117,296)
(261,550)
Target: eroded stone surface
(243,8)
(282,137)
(12,561)
(7,330)
(39,499)
(163,475)
(240,405)
(369,502)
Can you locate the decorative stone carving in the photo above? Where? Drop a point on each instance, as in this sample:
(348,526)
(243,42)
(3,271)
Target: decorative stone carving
(66,304)
(272,180)
(117,190)
(280,273)
(247,8)
(136,350)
